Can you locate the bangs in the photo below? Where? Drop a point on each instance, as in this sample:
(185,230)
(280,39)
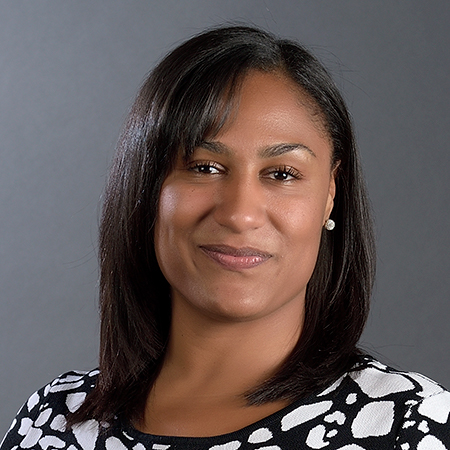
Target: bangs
(194,90)
(199,107)
(207,112)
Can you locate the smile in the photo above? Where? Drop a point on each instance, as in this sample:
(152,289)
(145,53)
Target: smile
(235,258)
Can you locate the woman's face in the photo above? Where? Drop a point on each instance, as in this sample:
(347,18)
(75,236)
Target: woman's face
(239,224)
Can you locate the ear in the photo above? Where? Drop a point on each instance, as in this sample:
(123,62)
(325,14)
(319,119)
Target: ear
(331,191)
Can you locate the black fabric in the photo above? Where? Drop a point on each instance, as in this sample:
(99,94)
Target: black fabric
(373,407)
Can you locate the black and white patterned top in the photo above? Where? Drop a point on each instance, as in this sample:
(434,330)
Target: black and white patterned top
(373,408)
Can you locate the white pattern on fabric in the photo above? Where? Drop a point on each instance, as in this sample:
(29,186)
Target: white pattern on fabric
(74,401)
(431,443)
(373,383)
(352,447)
(423,427)
(113,443)
(66,386)
(373,407)
(43,417)
(233,445)
(32,437)
(51,442)
(374,419)
(331,388)
(86,434)
(303,414)
(428,386)
(260,435)
(271,447)
(58,423)
(33,401)
(351,398)
(315,437)
(436,407)
(337,417)
(25,425)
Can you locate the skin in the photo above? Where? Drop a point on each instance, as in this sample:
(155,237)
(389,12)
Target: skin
(237,237)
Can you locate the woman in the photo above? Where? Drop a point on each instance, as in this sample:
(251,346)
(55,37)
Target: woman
(237,263)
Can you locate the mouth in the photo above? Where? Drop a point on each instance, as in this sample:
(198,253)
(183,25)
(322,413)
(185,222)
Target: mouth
(233,258)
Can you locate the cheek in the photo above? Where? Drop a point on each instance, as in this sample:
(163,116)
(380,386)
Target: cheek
(180,210)
(169,210)
(303,233)
(169,202)
(300,216)
(300,223)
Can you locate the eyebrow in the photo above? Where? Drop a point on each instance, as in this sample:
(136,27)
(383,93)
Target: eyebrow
(267,152)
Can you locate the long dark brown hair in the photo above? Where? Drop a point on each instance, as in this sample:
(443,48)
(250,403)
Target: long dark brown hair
(186,98)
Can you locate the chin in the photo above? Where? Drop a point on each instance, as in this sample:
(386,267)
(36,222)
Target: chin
(236,306)
(237,313)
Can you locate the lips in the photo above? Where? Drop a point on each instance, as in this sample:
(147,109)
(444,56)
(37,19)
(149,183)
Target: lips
(235,258)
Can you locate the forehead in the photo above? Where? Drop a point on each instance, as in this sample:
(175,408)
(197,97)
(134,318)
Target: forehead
(270,106)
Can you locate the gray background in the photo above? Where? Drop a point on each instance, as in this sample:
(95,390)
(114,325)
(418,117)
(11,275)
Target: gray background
(68,73)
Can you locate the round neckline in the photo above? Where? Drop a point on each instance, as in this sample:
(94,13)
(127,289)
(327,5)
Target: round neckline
(240,434)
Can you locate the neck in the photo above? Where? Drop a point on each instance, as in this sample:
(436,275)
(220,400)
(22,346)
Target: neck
(210,365)
(212,352)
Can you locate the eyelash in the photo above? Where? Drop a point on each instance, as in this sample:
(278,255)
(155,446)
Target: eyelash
(199,166)
(285,170)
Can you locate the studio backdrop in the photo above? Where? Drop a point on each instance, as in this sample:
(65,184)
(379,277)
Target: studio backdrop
(68,74)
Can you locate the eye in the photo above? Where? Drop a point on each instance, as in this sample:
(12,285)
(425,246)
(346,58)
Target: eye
(284,173)
(205,167)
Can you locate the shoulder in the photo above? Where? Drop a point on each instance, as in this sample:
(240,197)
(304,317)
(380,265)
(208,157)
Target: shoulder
(64,394)
(418,408)
(378,380)
(48,407)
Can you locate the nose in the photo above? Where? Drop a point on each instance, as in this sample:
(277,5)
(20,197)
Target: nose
(241,205)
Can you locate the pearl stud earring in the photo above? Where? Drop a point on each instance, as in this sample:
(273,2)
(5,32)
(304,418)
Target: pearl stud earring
(329,224)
